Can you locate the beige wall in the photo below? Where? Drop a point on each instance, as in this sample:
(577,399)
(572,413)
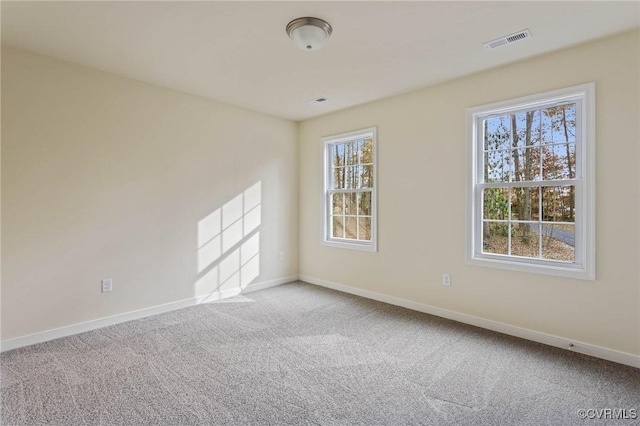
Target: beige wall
(109,177)
(422,174)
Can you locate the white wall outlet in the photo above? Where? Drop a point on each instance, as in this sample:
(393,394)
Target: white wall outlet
(446,280)
(281,256)
(107,285)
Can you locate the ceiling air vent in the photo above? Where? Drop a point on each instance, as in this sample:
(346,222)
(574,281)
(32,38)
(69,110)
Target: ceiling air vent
(317,100)
(508,39)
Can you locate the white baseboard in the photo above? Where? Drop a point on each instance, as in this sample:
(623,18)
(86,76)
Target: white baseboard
(69,330)
(536,336)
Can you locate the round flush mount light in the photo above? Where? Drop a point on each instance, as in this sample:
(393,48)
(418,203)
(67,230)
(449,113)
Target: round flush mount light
(309,33)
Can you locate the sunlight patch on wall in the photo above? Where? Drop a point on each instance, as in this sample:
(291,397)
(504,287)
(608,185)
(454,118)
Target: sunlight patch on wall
(209,239)
(252,211)
(232,223)
(229,245)
(250,260)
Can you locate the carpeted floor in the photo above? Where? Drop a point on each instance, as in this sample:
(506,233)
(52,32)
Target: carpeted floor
(298,354)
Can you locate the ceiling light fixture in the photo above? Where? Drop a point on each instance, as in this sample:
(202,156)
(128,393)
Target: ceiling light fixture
(309,33)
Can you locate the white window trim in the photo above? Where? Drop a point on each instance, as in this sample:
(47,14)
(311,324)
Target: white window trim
(585,265)
(371,246)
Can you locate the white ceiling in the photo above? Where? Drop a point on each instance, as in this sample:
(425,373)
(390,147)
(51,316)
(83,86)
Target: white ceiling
(239,53)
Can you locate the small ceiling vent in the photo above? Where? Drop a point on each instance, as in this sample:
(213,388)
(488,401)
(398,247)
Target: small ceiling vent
(317,100)
(508,39)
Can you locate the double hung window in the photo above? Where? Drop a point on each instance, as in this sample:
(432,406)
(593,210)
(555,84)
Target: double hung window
(350,190)
(532,183)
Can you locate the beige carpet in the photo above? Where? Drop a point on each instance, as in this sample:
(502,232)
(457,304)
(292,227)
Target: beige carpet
(302,355)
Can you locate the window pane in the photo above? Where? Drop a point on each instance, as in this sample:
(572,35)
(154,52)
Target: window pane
(527,125)
(559,123)
(366,176)
(558,203)
(364,203)
(364,228)
(526,164)
(350,203)
(338,228)
(495,237)
(497,133)
(350,177)
(337,204)
(525,203)
(367,151)
(338,178)
(558,242)
(497,166)
(351,153)
(558,161)
(496,203)
(350,231)
(525,239)
(360,175)
(358,153)
(337,155)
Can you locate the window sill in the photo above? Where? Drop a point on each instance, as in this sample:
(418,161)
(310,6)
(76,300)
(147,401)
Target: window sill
(566,270)
(353,245)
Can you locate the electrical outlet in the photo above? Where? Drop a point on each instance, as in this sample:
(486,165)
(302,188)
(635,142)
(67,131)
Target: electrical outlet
(446,280)
(107,285)
(281,256)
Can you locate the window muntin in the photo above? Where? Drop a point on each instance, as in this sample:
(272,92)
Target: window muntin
(532,196)
(350,194)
